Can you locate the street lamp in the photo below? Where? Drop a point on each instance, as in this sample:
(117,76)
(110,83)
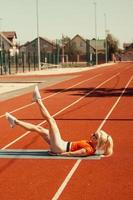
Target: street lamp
(0,34)
(62,49)
(1,59)
(95,9)
(38,39)
(106,44)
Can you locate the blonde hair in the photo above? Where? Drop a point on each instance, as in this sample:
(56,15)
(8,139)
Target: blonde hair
(105,143)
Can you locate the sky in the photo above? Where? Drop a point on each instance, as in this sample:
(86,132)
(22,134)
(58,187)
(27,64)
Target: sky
(68,18)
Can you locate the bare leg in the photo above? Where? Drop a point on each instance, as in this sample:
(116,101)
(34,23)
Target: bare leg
(57,144)
(52,137)
(43,132)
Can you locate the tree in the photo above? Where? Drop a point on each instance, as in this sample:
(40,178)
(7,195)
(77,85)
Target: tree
(112,44)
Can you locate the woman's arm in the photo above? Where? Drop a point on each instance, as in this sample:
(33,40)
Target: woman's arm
(81,152)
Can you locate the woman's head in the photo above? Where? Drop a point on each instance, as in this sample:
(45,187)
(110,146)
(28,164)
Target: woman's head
(103,138)
(102,141)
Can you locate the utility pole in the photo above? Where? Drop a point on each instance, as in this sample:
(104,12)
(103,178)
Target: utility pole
(0,34)
(106,44)
(62,49)
(95,9)
(38,39)
(1,56)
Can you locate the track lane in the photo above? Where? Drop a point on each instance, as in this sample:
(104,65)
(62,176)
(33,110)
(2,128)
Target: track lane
(13,107)
(48,163)
(33,111)
(102,176)
(25,116)
(75,102)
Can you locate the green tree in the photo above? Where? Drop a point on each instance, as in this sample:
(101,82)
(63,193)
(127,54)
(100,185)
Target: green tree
(112,45)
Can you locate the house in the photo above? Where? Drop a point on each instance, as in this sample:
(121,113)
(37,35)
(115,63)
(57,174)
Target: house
(128,46)
(127,54)
(99,44)
(11,36)
(8,42)
(85,49)
(47,49)
(79,46)
(8,50)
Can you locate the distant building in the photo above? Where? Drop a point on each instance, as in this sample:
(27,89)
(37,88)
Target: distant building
(8,42)
(127,54)
(128,46)
(47,49)
(99,48)
(99,44)
(85,49)
(79,46)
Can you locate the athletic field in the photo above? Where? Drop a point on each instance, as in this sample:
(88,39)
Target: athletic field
(81,103)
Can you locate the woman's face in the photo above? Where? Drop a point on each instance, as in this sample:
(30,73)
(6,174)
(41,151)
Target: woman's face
(94,138)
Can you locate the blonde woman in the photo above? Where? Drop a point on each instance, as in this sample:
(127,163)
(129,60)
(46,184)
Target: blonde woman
(98,142)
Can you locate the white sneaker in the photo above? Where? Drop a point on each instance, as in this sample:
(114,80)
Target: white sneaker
(36,94)
(11,119)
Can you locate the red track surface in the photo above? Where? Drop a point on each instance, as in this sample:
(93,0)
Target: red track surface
(107,105)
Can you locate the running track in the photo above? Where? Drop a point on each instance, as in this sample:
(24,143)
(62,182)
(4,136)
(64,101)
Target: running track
(99,98)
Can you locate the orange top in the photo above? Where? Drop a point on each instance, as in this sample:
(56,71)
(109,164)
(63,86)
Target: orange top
(83,144)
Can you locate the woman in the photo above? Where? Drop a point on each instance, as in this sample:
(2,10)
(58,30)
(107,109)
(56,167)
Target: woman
(99,141)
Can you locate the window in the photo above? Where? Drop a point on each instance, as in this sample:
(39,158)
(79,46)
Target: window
(81,44)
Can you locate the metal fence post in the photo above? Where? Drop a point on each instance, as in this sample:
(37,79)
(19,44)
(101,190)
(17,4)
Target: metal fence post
(9,62)
(29,60)
(34,60)
(23,61)
(1,62)
(16,61)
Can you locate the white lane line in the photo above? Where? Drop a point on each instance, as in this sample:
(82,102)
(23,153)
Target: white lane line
(28,105)
(23,107)
(72,171)
(26,133)
(63,185)
(115,104)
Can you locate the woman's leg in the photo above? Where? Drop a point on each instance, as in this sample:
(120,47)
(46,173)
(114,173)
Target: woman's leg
(44,133)
(57,144)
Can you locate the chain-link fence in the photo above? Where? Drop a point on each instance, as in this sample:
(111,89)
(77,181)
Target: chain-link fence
(26,61)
